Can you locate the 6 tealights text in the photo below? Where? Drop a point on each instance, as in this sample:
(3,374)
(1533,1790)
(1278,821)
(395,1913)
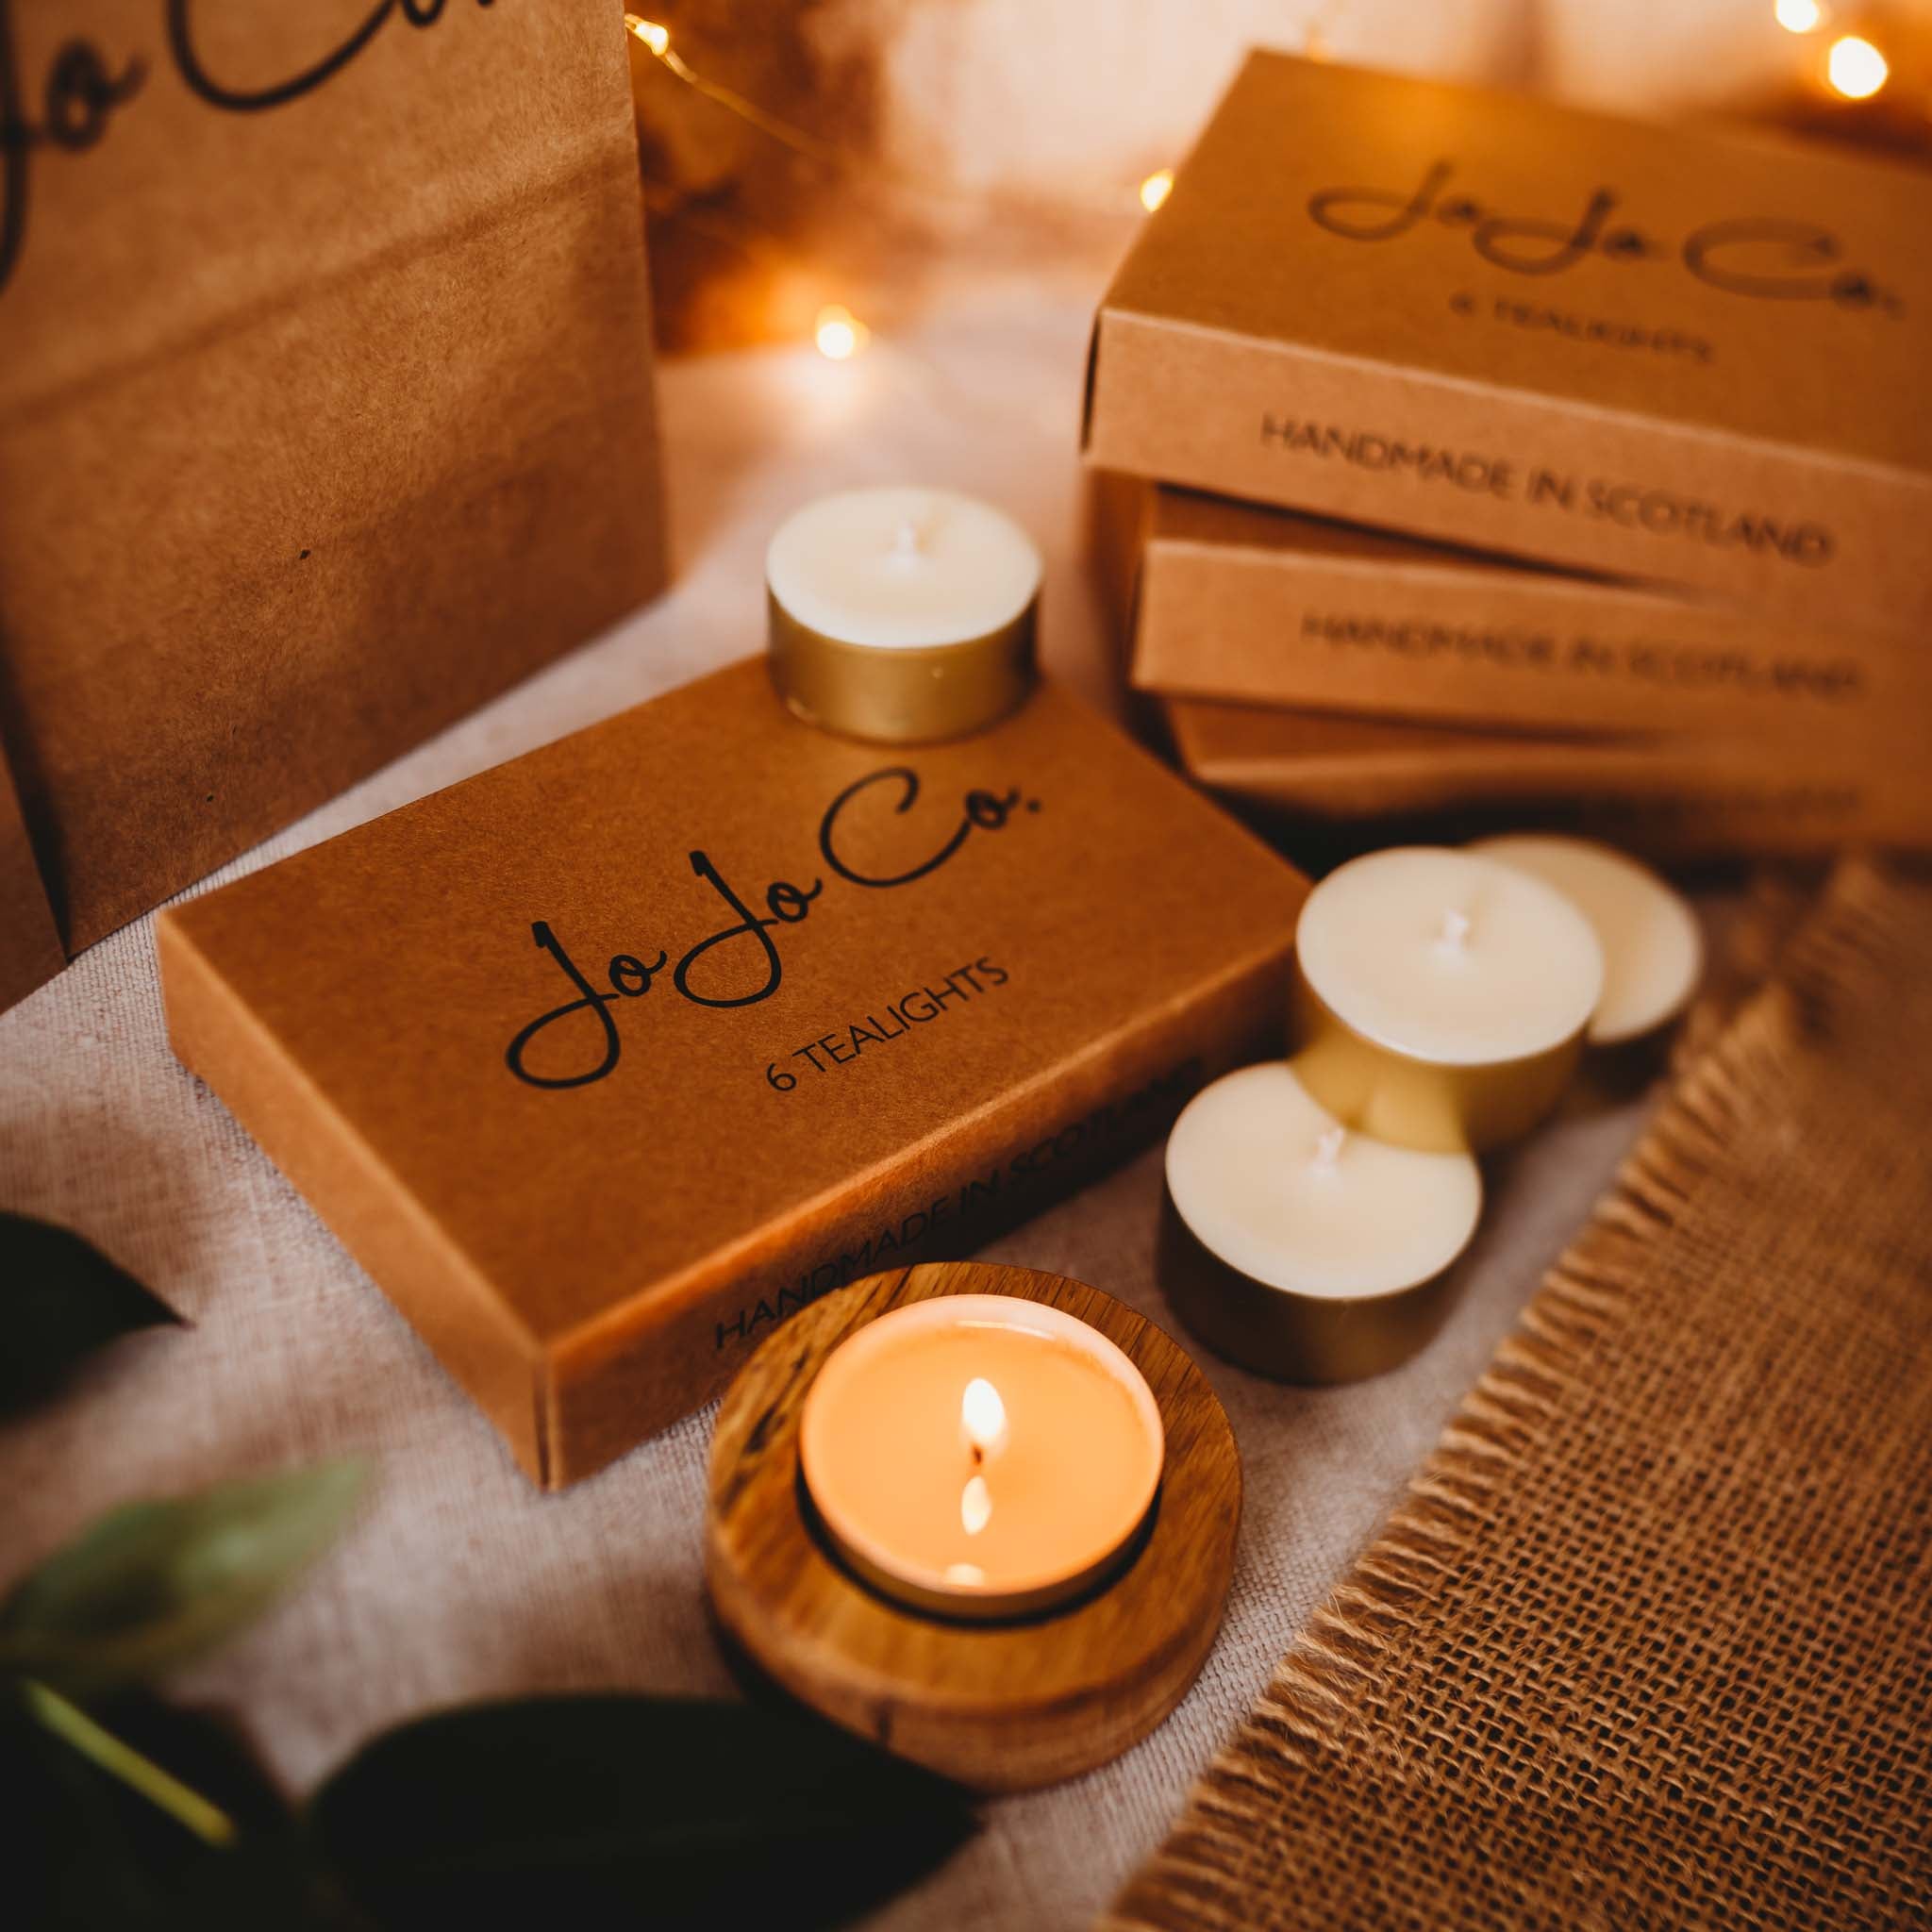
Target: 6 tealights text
(843,1044)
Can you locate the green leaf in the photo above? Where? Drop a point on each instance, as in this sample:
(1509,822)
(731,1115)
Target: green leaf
(61,1299)
(628,1810)
(154,1584)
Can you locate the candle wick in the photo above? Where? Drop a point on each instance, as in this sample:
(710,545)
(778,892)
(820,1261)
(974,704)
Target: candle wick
(1328,1147)
(978,1455)
(1455,929)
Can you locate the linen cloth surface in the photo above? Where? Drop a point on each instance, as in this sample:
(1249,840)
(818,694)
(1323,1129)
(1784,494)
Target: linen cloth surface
(461,1581)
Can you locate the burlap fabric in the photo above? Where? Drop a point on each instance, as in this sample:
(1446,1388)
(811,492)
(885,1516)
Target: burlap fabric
(1648,1642)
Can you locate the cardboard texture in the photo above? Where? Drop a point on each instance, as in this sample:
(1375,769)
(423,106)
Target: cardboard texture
(30,951)
(609,1058)
(1384,779)
(1664,353)
(326,407)
(1237,602)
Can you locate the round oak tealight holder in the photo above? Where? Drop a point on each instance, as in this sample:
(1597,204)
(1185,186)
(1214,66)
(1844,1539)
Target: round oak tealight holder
(852,1609)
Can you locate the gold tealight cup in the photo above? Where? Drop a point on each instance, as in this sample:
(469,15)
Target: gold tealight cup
(1299,1250)
(902,616)
(1439,999)
(1413,1102)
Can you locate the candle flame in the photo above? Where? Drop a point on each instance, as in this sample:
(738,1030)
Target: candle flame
(906,539)
(976,1505)
(1454,933)
(982,1418)
(1799,16)
(1156,188)
(1328,1146)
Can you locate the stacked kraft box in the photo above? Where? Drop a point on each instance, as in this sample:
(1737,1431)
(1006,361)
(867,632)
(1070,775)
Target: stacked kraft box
(1464,454)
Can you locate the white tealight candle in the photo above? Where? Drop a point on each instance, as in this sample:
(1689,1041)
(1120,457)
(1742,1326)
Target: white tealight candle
(1653,947)
(1441,997)
(1297,1248)
(901,615)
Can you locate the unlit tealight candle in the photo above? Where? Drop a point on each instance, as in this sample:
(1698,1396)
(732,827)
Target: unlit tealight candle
(1441,997)
(1653,947)
(1297,1248)
(982,1455)
(901,615)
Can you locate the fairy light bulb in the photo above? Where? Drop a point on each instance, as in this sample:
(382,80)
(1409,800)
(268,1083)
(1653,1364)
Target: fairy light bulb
(1156,188)
(1856,68)
(1799,16)
(654,37)
(838,333)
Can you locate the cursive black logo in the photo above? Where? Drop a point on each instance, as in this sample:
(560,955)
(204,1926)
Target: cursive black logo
(83,87)
(739,965)
(1768,258)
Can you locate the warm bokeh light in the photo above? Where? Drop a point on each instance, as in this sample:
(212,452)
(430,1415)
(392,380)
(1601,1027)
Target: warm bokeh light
(838,333)
(1155,189)
(1800,16)
(1856,68)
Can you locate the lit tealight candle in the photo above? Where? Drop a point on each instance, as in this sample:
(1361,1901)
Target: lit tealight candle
(981,1455)
(1301,1250)
(1652,948)
(903,616)
(1441,998)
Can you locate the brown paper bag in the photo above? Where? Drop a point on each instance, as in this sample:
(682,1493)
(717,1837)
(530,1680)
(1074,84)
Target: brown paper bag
(325,405)
(30,951)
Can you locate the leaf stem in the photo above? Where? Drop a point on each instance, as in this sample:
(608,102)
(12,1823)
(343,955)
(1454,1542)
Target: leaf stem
(119,1759)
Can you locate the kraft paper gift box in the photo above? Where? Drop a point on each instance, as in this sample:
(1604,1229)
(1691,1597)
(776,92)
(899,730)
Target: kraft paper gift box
(1362,780)
(1670,354)
(607,1060)
(1236,602)
(325,412)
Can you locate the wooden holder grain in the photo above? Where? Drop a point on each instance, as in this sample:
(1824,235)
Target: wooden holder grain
(1005,1706)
